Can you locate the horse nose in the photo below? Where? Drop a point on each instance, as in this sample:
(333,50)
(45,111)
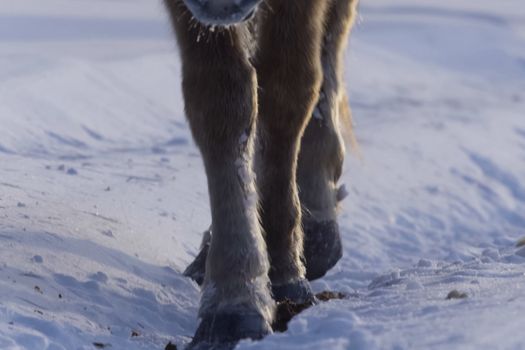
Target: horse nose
(222,11)
(224,8)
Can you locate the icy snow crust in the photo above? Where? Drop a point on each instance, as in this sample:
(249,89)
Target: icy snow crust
(103,196)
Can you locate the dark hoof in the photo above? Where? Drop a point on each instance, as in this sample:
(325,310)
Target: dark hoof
(197,269)
(298,292)
(322,247)
(224,331)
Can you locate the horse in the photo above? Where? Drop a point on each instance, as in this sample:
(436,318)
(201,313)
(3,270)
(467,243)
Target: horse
(266,104)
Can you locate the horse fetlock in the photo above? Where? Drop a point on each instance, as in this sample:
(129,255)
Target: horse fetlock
(246,296)
(294,269)
(299,292)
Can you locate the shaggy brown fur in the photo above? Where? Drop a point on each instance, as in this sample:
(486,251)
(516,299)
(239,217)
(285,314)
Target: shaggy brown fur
(290,76)
(250,91)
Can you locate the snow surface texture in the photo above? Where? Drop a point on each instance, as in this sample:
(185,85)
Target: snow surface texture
(103,197)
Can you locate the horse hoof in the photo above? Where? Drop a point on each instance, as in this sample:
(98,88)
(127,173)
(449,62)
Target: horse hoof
(224,331)
(197,269)
(322,247)
(298,292)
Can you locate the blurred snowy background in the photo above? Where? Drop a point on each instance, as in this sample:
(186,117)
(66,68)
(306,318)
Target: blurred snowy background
(103,197)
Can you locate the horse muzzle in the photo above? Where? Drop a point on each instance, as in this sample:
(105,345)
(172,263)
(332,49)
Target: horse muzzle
(222,12)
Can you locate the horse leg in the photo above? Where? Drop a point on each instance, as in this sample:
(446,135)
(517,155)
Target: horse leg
(219,86)
(288,64)
(321,155)
(322,148)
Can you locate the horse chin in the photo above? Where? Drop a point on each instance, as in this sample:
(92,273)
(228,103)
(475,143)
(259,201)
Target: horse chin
(222,13)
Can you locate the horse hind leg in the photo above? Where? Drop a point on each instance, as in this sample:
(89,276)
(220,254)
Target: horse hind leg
(289,71)
(219,86)
(322,149)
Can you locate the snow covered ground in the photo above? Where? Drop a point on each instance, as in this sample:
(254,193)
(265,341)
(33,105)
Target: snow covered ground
(103,197)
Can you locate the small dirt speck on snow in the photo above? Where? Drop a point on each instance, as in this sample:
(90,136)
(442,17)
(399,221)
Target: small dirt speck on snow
(101,345)
(455,294)
(37,259)
(327,295)
(107,233)
(286,310)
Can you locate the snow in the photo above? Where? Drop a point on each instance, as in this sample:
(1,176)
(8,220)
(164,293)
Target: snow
(103,197)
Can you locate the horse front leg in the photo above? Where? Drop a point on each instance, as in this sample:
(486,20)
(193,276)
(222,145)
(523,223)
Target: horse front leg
(322,148)
(219,86)
(288,63)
